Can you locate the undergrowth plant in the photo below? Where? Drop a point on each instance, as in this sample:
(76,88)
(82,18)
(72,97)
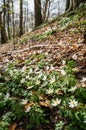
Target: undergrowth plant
(26,92)
(43,36)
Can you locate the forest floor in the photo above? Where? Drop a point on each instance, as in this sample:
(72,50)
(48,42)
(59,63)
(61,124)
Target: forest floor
(61,40)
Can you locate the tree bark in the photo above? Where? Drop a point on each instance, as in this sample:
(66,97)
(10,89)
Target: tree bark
(21,18)
(38,14)
(8,18)
(2,30)
(4,38)
(13,20)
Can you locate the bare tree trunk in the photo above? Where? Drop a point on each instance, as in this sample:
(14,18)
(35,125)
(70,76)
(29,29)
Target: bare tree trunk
(2,30)
(45,9)
(13,20)
(69,5)
(21,18)
(38,14)
(8,18)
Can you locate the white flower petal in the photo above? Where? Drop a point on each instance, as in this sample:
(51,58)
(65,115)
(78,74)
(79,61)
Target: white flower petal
(63,72)
(74,57)
(73,103)
(56,102)
(24,101)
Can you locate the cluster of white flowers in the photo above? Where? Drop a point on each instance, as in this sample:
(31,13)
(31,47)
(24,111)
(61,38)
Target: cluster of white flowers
(73,103)
(56,102)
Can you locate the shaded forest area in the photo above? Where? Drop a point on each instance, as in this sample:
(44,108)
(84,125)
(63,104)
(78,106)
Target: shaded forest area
(43,72)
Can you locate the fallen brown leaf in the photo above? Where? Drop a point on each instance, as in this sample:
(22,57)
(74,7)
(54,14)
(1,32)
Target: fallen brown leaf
(45,103)
(13,127)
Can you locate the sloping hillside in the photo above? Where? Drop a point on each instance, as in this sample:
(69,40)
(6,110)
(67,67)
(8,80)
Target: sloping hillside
(43,81)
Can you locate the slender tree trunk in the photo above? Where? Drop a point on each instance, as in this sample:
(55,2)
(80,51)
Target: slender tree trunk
(38,14)
(45,9)
(2,30)
(69,5)
(21,18)
(27,10)
(13,20)
(8,18)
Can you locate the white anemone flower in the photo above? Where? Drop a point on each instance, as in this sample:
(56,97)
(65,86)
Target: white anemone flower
(73,103)
(74,57)
(23,69)
(51,67)
(56,102)
(28,76)
(7,78)
(1,94)
(52,80)
(29,87)
(72,89)
(84,121)
(40,75)
(83,79)
(24,101)
(11,72)
(22,80)
(45,77)
(38,82)
(50,91)
(63,72)
(7,96)
(63,62)
(30,70)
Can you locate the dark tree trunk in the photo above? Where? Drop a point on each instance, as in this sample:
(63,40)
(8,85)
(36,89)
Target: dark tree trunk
(2,30)
(21,18)
(8,18)
(38,14)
